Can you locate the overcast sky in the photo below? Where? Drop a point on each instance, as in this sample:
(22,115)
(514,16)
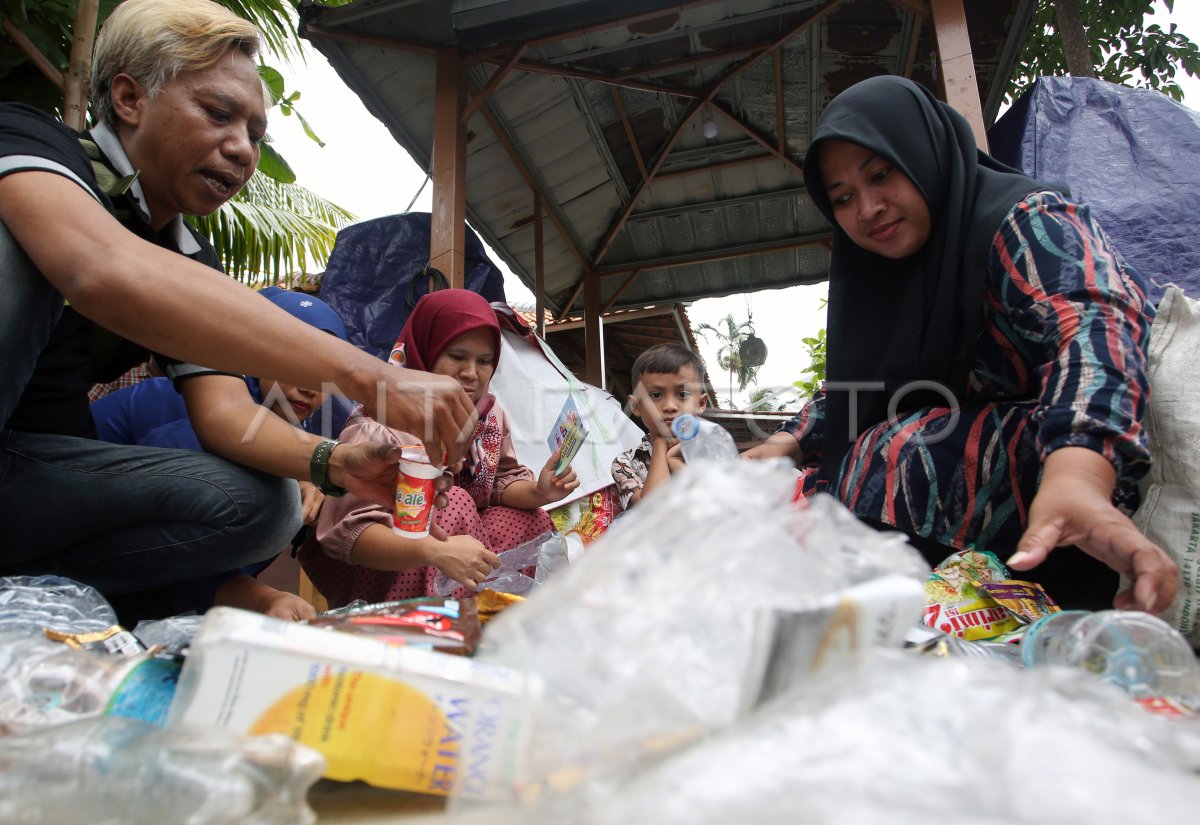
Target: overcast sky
(363,169)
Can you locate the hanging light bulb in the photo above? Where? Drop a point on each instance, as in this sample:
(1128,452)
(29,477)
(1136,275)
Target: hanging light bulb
(709,127)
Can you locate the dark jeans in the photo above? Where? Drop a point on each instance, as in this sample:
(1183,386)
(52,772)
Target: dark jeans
(124,518)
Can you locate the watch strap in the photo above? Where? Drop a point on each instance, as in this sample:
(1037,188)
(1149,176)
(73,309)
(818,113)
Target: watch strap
(318,468)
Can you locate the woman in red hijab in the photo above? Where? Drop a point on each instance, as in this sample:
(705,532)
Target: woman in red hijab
(494,504)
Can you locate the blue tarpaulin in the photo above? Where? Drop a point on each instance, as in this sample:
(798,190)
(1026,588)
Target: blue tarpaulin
(1133,155)
(376,273)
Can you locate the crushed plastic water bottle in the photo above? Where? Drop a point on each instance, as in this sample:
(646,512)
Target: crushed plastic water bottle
(700,438)
(549,549)
(110,770)
(45,683)
(1137,652)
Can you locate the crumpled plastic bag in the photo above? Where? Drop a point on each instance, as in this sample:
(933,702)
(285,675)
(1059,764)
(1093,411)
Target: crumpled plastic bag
(171,634)
(114,771)
(909,739)
(31,604)
(548,552)
(657,636)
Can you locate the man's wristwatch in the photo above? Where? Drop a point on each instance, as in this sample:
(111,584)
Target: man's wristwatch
(318,468)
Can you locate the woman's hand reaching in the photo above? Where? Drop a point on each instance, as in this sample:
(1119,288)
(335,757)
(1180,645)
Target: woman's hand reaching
(1073,506)
(464,559)
(779,445)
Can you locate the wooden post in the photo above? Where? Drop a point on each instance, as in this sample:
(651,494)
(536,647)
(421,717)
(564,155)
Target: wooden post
(447,234)
(539,268)
(79,70)
(958,64)
(593,331)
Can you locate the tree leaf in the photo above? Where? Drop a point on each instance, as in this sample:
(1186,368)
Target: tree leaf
(272,164)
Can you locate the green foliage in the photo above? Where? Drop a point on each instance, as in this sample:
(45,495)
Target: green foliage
(815,346)
(272,228)
(815,370)
(767,399)
(1124,50)
(730,334)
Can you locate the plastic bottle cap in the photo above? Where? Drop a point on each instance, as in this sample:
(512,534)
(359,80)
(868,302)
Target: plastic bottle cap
(685,427)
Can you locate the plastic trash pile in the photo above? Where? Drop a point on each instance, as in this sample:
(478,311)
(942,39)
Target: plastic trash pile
(718,655)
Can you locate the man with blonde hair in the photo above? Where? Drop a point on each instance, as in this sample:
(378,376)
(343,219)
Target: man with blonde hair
(97,268)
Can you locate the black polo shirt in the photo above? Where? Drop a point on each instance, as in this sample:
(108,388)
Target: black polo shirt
(81,353)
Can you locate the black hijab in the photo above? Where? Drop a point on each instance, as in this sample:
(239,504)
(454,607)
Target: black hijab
(917,318)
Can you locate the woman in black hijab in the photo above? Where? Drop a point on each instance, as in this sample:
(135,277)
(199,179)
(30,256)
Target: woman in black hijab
(986,356)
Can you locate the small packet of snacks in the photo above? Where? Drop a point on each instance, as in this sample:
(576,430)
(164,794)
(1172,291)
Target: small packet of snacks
(444,625)
(113,639)
(491,603)
(1028,601)
(957,603)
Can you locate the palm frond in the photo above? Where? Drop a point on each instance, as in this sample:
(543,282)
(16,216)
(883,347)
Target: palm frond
(273,229)
(276,19)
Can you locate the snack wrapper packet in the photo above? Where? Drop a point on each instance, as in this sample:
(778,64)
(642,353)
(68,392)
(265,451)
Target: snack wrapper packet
(1028,601)
(445,625)
(956,602)
(489,604)
(585,519)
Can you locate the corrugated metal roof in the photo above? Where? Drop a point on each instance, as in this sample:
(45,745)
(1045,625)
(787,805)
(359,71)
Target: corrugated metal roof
(743,222)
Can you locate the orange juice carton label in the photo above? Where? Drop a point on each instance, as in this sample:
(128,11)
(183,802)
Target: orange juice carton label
(393,716)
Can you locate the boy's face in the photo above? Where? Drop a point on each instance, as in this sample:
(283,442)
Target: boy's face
(662,396)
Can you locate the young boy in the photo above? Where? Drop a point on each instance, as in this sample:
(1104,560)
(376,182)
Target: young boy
(667,382)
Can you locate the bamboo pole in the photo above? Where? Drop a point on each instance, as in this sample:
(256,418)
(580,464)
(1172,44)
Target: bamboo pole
(79,69)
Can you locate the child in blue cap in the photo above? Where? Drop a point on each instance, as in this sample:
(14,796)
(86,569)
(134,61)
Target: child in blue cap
(152,413)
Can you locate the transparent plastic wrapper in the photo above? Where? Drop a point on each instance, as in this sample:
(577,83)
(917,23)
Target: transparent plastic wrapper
(913,740)
(930,642)
(33,603)
(667,628)
(171,635)
(1134,651)
(852,552)
(508,578)
(45,683)
(111,771)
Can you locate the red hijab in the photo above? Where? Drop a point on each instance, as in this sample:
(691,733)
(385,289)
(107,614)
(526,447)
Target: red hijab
(436,320)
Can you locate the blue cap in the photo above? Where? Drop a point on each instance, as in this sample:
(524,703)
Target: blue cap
(308,308)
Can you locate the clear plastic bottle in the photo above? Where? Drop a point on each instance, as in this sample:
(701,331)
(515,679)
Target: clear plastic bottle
(701,438)
(1137,652)
(548,548)
(44,683)
(109,770)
